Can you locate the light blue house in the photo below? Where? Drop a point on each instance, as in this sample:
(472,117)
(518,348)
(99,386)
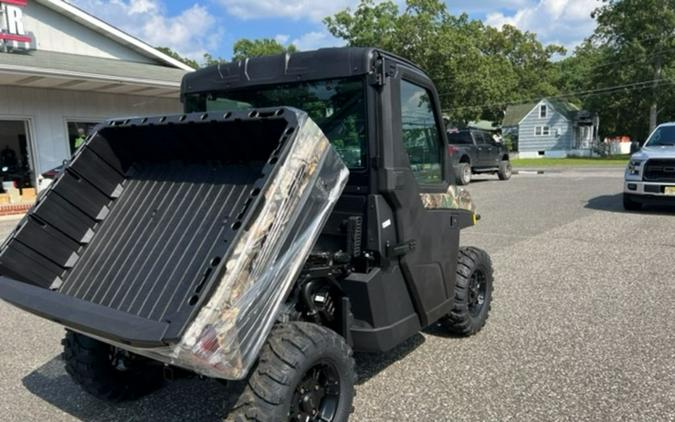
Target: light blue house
(550,128)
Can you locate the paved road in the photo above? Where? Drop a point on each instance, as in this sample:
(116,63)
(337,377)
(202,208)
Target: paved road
(582,327)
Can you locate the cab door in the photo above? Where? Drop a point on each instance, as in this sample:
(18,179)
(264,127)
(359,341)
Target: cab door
(486,149)
(413,147)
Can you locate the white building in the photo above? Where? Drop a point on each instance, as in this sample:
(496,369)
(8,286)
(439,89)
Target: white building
(61,72)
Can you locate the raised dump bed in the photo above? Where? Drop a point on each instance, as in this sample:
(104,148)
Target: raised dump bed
(132,239)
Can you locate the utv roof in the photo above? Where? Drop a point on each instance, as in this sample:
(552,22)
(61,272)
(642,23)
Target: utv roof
(325,63)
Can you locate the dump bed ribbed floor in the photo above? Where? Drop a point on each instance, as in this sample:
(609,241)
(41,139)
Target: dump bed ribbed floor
(155,248)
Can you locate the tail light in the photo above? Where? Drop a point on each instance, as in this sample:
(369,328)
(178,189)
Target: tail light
(452,150)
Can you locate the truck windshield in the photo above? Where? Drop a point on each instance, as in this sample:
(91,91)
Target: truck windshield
(336,105)
(663,136)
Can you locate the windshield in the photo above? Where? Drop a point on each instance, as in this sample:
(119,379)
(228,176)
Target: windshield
(336,105)
(663,136)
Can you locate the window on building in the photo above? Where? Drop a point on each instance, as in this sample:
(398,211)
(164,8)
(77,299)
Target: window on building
(543,111)
(77,132)
(542,130)
(420,134)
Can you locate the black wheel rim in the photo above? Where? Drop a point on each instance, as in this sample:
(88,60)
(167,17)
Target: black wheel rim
(477,292)
(316,396)
(120,360)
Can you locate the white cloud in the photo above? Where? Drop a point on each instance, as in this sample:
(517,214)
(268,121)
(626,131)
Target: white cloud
(191,33)
(565,22)
(316,39)
(282,38)
(293,9)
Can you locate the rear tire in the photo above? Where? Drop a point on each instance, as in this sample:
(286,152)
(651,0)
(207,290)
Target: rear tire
(463,174)
(629,204)
(505,171)
(473,292)
(305,372)
(108,373)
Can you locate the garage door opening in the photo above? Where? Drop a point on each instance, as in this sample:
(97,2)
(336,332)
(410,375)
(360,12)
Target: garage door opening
(16,169)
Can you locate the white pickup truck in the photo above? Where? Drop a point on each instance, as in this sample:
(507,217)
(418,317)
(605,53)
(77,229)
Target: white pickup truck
(650,175)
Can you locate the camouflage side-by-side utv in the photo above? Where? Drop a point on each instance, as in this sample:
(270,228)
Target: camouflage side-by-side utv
(301,208)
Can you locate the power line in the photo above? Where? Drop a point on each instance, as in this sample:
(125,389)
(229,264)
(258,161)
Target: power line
(599,91)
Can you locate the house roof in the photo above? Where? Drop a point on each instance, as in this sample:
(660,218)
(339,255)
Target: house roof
(113,33)
(516,113)
(483,125)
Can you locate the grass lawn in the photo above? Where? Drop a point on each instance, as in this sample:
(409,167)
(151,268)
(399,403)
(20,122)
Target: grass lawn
(615,160)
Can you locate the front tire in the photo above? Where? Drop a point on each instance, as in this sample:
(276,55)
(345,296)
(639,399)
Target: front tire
(505,170)
(464,174)
(629,204)
(473,292)
(305,373)
(109,373)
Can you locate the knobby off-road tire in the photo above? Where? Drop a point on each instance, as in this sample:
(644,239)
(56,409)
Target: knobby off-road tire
(629,204)
(108,373)
(463,174)
(473,292)
(505,170)
(305,373)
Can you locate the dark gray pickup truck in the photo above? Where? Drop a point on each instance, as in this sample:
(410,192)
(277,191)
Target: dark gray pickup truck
(474,151)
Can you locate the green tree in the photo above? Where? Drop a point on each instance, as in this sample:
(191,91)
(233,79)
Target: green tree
(245,48)
(639,36)
(476,69)
(169,52)
(209,60)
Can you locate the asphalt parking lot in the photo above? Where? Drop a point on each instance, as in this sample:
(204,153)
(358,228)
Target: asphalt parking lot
(582,326)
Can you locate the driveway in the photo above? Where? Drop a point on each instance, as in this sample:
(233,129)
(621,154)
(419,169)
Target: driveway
(582,326)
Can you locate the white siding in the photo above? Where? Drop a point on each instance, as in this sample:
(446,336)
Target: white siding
(54,32)
(48,110)
(560,136)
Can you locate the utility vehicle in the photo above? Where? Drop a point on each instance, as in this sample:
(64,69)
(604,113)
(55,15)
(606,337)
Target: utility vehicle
(236,242)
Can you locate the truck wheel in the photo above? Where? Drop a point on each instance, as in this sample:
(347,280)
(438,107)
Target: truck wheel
(504,172)
(109,373)
(473,292)
(629,204)
(464,174)
(305,373)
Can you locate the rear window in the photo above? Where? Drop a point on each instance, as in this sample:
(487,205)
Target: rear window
(459,138)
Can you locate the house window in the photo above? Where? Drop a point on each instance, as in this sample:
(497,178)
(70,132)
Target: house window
(542,131)
(543,111)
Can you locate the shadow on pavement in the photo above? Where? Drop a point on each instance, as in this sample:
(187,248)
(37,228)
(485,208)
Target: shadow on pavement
(614,203)
(181,400)
(370,364)
(184,399)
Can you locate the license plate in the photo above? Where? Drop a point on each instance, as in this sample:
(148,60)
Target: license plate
(669,190)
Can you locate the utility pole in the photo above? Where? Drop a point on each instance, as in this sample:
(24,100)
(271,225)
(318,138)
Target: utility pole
(654,108)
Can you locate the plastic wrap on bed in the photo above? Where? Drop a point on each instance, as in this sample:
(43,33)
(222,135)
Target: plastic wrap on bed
(224,340)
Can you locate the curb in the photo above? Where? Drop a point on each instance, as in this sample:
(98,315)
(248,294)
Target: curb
(528,172)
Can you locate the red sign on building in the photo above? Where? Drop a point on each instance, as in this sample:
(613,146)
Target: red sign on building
(12,32)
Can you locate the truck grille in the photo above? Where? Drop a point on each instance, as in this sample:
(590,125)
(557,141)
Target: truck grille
(660,170)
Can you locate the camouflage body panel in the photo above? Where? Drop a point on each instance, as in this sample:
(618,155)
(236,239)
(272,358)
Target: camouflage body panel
(454,198)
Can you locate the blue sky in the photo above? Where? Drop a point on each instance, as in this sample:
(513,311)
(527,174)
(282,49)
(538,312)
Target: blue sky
(196,27)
